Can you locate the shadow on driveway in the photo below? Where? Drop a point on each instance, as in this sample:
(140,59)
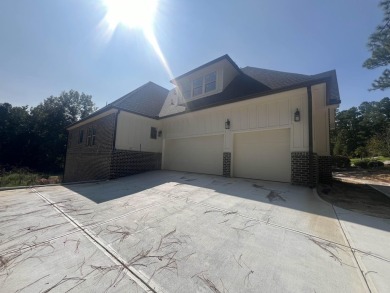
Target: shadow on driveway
(278,194)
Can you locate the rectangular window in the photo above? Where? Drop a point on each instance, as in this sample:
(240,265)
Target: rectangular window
(89,137)
(153,133)
(81,136)
(93,136)
(197,87)
(210,82)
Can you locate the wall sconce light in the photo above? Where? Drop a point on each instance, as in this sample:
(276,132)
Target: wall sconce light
(227,124)
(297,116)
(159,133)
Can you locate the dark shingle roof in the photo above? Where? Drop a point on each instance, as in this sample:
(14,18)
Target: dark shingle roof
(146,100)
(279,79)
(275,79)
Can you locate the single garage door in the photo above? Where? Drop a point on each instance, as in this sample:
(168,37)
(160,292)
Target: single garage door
(263,155)
(200,155)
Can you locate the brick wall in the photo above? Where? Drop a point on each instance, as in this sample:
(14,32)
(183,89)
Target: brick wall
(91,162)
(301,173)
(126,163)
(227,160)
(325,169)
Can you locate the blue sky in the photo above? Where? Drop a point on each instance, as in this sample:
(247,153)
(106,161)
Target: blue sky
(48,46)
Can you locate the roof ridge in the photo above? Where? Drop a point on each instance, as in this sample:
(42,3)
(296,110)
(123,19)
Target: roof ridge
(226,56)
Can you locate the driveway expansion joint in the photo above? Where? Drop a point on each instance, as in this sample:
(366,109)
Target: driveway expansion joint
(112,254)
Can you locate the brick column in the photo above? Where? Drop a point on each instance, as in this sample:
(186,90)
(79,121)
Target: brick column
(227,159)
(300,169)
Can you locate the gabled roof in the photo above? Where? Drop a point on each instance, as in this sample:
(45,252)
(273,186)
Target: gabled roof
(226,56)
(278,79)
(147,100)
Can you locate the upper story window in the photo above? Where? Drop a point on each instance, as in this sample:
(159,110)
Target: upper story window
(197,87)
(204,84)
(210,82)
(91,136)
(81,136)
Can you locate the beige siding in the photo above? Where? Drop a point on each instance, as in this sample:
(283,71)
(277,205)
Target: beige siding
(320,121)
(133,133)
(270,112)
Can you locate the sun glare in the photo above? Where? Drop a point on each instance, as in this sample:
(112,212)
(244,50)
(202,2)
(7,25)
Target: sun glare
(131,13)
(134,14)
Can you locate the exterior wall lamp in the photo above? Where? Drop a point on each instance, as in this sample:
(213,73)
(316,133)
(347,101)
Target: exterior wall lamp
(227,124)
(159,133)
(297,116)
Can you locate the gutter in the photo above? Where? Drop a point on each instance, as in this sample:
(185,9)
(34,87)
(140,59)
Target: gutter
(310,124)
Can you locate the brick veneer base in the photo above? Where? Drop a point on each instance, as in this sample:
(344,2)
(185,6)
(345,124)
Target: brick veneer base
(301,172)
(227,161)
(125,163)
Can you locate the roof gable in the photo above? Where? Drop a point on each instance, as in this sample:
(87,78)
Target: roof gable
(224,57)
(146,100)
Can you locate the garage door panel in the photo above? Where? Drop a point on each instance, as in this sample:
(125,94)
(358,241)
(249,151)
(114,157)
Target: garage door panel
(199,155)
(263,155)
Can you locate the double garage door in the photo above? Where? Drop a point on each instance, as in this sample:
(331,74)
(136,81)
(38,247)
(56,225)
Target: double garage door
(257,155)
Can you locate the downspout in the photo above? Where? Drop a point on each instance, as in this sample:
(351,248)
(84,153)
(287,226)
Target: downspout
(115,126)
(113,145)
(310,124)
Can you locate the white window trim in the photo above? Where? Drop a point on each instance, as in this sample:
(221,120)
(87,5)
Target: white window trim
(204,93)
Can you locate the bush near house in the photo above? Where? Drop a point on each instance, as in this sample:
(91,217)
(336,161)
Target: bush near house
(341,161)
(368,163)
(25,177)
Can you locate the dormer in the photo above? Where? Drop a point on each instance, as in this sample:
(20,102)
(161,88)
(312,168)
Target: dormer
(206,80)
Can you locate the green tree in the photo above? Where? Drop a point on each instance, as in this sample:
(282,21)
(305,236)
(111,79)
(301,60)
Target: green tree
(37,138)
(50,119)
(379,46)
(14,134)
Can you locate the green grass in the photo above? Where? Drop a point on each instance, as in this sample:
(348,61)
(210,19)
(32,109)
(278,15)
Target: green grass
(24,177)
(380,158)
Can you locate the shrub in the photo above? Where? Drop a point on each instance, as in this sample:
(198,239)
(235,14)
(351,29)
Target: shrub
(341,161)
(362,164)
(375,164)
(367,164)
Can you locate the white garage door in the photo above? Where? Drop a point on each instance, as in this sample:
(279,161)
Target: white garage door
(199,155)
(263,155)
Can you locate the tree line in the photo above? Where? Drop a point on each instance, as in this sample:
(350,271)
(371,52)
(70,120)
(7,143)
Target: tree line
(363,131)
(36,137)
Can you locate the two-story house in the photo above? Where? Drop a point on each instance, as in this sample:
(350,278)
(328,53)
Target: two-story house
(218,119)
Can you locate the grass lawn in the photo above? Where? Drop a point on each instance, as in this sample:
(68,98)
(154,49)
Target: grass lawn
(23,177)
(380,158)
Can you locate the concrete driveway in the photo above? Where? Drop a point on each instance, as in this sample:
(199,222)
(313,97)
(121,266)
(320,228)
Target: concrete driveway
(181,232)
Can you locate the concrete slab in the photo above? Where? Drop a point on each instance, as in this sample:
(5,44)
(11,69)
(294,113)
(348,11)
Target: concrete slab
(194,248)
(69,263)
(183,232)
(26,219)
(370,237)
(385,189)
